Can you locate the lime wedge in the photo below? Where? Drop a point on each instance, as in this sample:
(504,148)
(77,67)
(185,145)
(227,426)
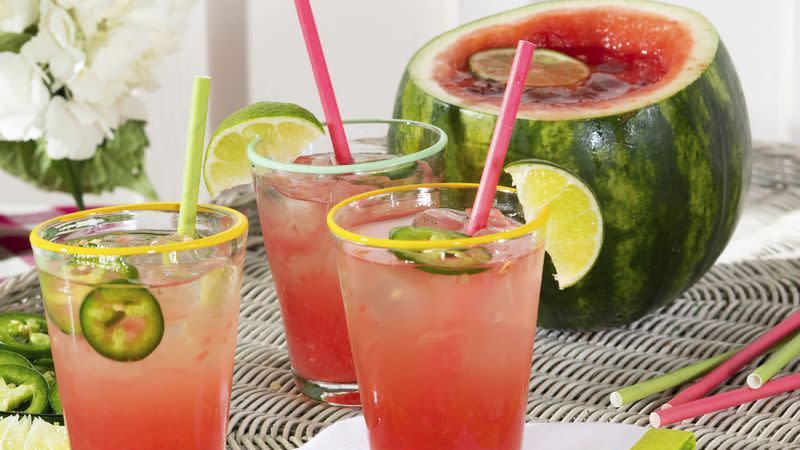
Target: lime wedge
(285,129)
(575,231)
(548,68)
(46,436)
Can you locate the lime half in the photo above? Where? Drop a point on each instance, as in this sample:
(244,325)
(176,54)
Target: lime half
(548,68)
(575,231)
(285,129)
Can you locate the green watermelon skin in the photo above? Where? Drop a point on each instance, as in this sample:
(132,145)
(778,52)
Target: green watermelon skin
(670,179)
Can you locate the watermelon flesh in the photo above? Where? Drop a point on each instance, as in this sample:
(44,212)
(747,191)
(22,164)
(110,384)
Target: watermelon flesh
(619,67)
(659,131)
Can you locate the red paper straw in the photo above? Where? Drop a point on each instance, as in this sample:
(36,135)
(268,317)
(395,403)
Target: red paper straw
(502,135)
(340,146)
(729,368)
(723,401)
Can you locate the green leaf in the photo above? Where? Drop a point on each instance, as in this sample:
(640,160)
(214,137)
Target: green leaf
(118,162)
(12,42)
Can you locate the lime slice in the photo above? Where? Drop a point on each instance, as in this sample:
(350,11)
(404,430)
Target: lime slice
(548,68)
(575,231)
(46,436)
(215,283)
(285,129)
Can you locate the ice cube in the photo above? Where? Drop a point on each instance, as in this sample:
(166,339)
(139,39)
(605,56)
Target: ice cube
(605,83)
(447,219)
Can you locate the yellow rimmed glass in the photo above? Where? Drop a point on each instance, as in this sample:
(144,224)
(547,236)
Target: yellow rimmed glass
(142,323)
(442,353)
(293,201)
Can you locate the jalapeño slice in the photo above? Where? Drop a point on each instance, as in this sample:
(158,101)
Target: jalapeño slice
(24,333)
(122,321)
(105,264)
(440,261)
(22,389)
(55,399)
(14,359)
(42,364)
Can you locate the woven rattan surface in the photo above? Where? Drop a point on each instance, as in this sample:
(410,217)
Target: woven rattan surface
(573,372)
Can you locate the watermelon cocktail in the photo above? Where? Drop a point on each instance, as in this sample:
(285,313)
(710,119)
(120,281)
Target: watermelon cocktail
(142,324)
(442,325)
(293,200)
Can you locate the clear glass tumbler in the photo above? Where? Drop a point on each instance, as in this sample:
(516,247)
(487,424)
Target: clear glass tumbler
(293,201)
(442,324)
(142,323)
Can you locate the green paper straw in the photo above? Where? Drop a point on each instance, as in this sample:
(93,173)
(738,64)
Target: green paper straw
(670,380)
(780,359)
(194,157)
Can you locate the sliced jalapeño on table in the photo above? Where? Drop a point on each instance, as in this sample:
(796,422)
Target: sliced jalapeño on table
(25,334)
(23,389)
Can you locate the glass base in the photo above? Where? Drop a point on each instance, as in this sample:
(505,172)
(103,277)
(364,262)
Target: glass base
(339,394)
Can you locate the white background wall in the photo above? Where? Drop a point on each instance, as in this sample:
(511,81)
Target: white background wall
(254,51)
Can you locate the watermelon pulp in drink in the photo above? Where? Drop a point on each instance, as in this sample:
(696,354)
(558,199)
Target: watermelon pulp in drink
(443,353)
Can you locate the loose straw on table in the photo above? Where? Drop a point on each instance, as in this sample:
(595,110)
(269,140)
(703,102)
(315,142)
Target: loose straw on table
(196,135)
(724,400)
(729,368)
(780,359)
(501,137)
(669,380)
(330,107)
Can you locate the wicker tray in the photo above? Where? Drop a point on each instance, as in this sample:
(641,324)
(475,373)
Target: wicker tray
(573,373)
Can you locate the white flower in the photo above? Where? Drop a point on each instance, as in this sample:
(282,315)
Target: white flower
(17,15)
(123,40)
(73,129)
(57,44)
(23,98)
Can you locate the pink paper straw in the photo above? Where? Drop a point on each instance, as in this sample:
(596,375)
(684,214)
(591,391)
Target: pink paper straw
(502,135)
(320,68)
(723,401)
(729,368)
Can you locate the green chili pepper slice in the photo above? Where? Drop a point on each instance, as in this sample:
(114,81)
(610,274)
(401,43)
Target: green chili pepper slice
(55,399)
(14,359)
(122,322)
(440,261)
(24,333)
(43,364)
(22,389)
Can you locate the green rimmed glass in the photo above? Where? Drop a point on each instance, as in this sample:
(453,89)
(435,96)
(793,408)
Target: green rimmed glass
(293,201)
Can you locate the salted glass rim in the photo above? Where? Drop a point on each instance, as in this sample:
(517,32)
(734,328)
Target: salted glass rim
(261,161)
(235,230)
(537,223)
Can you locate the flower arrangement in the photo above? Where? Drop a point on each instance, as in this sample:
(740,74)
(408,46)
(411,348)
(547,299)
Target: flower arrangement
(71,73)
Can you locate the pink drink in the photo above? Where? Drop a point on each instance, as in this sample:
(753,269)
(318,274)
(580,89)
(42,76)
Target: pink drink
(178,395)
(292,211)
(443,359)
(293,204)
